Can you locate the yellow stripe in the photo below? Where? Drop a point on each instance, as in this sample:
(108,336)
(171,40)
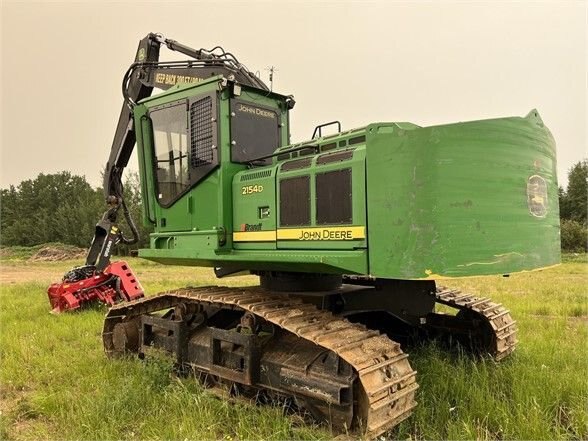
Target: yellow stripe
(254,236)
(326,233)
(302,234)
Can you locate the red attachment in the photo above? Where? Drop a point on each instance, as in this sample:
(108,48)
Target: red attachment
(100,286)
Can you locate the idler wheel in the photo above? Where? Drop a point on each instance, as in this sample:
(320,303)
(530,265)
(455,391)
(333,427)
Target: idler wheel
(125,337)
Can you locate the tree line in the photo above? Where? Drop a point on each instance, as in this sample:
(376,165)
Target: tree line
(573,209)
(64,208)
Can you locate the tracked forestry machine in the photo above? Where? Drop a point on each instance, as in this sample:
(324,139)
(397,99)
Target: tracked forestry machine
(348,232)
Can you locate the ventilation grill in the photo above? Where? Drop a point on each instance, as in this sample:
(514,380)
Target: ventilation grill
(335,157)
(357,140)
(330,146)
(307,151)
(283,156)
(334,198)
(296,165)
(201,148)
(256,175)
(295,201)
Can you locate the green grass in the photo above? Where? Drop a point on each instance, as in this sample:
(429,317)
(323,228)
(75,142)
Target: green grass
(55,382)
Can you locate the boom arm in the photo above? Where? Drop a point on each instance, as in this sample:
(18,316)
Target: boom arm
(143,75)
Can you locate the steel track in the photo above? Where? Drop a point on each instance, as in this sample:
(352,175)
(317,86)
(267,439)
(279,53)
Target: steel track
(386,382)
(503,339)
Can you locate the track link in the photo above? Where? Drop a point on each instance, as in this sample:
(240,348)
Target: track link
(386,384)
(501,330)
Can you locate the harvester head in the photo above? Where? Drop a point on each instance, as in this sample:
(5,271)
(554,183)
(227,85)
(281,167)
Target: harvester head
(85,284)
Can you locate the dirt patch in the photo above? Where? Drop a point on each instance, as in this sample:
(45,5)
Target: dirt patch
(58,253)
(11,275)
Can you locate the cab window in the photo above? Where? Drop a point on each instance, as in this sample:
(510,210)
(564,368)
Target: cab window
(255,131)
(170,138)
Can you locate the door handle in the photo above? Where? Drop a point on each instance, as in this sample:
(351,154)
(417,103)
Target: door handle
(189,204)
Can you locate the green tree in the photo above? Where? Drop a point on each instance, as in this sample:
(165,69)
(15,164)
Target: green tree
(564,206)
(58,207)
(577,193)
(573,209)
(574,236)
(62,207)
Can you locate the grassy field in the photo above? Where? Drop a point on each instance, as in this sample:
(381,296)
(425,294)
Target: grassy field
(55,382)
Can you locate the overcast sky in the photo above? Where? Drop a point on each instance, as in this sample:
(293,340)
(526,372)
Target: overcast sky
(358,62)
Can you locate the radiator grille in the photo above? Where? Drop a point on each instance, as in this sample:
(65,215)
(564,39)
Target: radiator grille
(333,197)
(295,201)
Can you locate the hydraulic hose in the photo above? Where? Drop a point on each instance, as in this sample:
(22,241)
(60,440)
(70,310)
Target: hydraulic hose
(131,225)
(115,202)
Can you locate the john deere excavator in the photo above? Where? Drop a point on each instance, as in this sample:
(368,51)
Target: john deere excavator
(348,232)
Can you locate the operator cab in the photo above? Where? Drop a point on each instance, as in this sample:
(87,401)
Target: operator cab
(186,137)
(194,136)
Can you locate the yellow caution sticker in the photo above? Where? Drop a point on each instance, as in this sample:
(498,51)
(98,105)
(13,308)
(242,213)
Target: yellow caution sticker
(254,236)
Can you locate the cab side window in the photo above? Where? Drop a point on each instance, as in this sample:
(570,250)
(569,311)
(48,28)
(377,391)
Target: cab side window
(185,138)
(170,137)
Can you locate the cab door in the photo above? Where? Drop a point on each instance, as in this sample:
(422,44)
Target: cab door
(171,166)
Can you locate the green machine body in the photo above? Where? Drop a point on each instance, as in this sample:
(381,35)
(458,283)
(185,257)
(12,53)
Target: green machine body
(224,188)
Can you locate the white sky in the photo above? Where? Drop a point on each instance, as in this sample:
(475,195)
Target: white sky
(358,62)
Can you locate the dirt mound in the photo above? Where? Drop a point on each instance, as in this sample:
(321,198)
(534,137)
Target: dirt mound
(53,253)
